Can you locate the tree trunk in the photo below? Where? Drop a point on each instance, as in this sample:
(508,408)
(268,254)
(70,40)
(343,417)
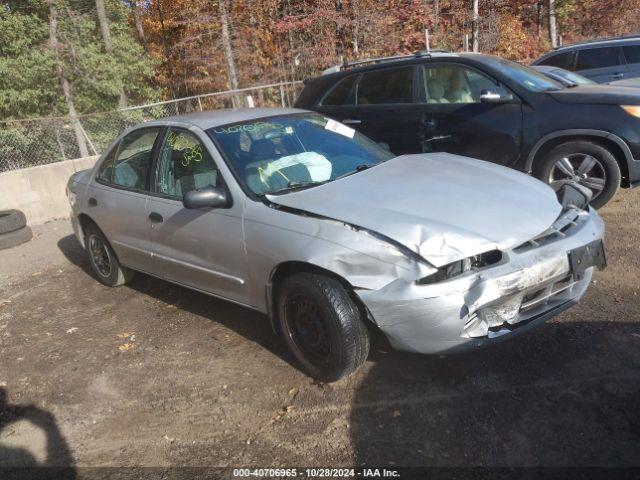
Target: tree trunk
(228,52)
(108,46)
(138,22)
(539,18)
(66,88)
(475,33)
(553,31)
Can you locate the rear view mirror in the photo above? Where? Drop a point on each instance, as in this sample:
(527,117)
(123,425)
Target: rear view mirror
(495,95)
(213,197)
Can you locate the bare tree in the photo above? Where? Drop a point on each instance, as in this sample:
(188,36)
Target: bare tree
(553,31)
(64,82)
(475,33)
(108,46)
(228,52)
(135,9)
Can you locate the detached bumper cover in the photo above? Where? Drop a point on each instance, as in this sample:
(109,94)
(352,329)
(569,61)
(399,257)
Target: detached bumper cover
(532,283)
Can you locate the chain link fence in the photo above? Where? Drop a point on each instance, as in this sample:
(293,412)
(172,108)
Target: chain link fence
(31,142)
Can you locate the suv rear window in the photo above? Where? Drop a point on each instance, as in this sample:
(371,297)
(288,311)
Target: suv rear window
(340,93)
(632,53)
(598,58)
(394,85)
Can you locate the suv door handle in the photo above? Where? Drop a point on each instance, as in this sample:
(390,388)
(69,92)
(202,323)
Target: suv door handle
(616,76)
(352,121)
(156,217)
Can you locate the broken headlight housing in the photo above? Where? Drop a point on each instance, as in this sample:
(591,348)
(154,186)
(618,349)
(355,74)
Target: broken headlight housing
(459,267)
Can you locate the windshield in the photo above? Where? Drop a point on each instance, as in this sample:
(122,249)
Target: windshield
(278,154)
(525,76)
(573,77)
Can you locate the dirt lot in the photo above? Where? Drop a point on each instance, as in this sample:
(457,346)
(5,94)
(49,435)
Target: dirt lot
(155,375)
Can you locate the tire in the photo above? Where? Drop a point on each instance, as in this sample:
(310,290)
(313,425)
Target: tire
(322,326)
(16,237)
(11,220)
(104,262)
(605,170)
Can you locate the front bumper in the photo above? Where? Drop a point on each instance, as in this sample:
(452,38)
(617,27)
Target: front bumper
(532,283)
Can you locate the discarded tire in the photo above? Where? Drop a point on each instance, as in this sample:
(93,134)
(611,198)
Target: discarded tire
(11,239)
(11,220)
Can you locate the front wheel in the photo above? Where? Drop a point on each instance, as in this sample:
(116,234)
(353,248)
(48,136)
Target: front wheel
(586,163)
(322,325)
(104,262)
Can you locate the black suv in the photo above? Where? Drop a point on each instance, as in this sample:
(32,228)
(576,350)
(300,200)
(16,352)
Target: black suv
(485,107)
(602,61)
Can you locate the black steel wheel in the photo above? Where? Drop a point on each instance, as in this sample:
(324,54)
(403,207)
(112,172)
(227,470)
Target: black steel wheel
(104,261)
(322,325)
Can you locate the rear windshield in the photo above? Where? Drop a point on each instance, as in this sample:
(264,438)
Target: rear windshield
(278,154)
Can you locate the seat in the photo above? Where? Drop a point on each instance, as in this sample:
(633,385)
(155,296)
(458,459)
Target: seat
(262,149)
(436,91)
(126,176)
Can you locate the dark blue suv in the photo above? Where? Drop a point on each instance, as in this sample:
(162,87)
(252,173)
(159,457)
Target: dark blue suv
(492,109)
(602,61)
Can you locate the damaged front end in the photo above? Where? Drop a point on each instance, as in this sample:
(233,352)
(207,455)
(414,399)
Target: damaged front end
(497,294)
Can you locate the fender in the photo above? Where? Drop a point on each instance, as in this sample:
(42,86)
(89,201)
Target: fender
(583,132)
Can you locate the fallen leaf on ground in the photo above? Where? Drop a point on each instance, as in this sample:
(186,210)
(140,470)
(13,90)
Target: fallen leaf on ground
(126,346)
(72,330)
(293,392)
(125,334)
(169,439)
(396,414)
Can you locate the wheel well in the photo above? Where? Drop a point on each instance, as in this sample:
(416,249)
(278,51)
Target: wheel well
(85,220)
(610,145)
(288,268)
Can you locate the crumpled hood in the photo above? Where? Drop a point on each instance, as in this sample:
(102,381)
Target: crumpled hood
(598,94)
(442,206)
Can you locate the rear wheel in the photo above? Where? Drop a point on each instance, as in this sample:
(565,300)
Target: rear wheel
(586,163)
(322,325)
(104,262)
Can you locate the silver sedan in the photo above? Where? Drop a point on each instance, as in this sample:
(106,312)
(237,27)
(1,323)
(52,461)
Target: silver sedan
(298,216)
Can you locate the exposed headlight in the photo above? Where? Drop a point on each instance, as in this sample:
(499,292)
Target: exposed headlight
(454,269)
(632,110)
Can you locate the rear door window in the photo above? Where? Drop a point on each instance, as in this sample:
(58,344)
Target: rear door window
(340,94)
(133,163)
(394,85)
(598,58)
(561,60)
(632,53)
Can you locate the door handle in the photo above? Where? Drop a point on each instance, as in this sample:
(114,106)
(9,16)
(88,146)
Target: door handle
(351,121)
(92,202)
(156,217)
(616,76)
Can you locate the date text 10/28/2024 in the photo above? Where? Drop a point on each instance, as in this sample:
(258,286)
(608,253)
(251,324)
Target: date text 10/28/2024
(316,472)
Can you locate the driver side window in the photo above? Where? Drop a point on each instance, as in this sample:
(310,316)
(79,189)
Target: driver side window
(450,83)
(184,165)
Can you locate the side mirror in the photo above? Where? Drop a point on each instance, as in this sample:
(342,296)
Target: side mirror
(213,197)
(495,95)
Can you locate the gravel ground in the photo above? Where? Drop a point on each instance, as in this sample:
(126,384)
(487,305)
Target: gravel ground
(152,374)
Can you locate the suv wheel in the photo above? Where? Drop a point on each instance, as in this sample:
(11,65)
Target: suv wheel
(587,163)
(104,262)
(322,326)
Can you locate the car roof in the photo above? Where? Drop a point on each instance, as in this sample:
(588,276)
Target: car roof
(599,42)
(224,116)
(365,65)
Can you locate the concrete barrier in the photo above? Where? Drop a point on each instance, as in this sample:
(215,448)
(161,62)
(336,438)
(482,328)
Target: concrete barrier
(40,191)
